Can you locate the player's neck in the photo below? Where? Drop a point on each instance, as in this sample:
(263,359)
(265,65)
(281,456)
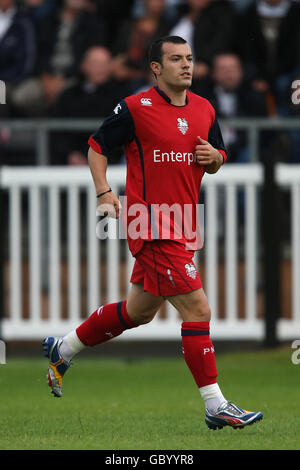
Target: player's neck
(177,96)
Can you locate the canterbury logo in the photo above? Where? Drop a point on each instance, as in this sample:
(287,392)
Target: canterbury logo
(146,101)
(100,309)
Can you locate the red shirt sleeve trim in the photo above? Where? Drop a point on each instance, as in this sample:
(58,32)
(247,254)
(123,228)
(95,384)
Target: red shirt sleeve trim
(224,155)
(94,145)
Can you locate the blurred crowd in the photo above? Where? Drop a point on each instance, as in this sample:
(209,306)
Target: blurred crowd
(78,58)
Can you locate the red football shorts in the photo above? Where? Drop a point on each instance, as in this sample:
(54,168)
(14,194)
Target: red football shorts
(165,268)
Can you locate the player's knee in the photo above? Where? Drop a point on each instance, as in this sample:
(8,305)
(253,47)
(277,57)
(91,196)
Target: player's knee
(198,313)
(204,314)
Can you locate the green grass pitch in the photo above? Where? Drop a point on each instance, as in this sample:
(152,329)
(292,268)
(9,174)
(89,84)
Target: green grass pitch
(147,404)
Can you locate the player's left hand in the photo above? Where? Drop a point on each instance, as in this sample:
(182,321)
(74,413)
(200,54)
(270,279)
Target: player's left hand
(206,154)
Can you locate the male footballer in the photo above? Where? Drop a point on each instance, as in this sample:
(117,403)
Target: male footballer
(171,138)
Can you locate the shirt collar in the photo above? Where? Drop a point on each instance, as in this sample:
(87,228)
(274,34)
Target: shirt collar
(166,98)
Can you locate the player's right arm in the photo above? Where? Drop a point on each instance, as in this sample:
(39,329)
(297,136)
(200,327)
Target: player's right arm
(115,131)
(109,203)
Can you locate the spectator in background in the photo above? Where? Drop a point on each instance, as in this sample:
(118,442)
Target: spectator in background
(17,46)
(171,7)
(187,16)
(131,46)
(113,13)
(207,26)
(233,97)
(96,91)
(17,58)
(266,41)
(95,94)
(39,9)
(213,33)
(63,37)
(240,5)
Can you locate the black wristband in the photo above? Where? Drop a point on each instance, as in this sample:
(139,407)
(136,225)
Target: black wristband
(102,194)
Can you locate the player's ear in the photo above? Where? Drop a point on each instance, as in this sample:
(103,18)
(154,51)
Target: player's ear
(155,67)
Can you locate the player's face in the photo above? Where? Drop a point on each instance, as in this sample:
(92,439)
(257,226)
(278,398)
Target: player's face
(176,69)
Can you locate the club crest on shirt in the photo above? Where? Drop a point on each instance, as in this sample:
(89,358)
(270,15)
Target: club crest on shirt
(191,270)
(182,125)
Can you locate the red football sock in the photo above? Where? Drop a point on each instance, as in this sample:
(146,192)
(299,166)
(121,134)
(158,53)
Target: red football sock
(199,352)
(105,323)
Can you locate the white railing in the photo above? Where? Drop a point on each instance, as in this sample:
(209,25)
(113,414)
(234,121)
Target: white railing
(107,276)
(288,176)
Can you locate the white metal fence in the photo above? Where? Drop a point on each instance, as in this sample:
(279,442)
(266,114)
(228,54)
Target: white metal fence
(288,177)
(49,277)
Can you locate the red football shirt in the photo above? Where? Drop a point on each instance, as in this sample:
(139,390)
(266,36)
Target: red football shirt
(163,178)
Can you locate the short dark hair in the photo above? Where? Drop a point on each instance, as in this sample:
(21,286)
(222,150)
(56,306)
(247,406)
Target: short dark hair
(155,50)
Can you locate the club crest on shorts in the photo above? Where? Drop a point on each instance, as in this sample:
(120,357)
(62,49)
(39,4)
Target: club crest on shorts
(191,270)
(182,125)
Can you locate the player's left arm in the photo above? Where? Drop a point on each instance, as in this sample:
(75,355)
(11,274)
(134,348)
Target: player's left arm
(208,156)
(211,153)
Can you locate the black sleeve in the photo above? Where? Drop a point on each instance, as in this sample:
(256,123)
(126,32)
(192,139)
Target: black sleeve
(215,136)
(115,131)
